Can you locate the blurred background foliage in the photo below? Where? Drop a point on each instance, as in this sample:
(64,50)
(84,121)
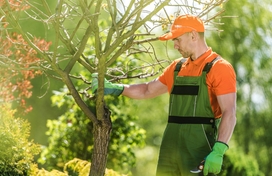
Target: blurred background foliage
(245,41)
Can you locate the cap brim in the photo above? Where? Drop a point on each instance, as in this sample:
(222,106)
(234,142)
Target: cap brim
(174,34)
(166,36)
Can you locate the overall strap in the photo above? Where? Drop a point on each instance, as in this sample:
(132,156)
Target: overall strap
(191,120)
(178,67)
(209,65)
(206,68)
(179,64)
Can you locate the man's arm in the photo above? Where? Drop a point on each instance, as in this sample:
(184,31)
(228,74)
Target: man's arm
(145,90)
(214,160)
(227,105)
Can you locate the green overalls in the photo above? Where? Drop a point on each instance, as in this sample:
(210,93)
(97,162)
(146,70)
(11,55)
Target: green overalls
(191,130)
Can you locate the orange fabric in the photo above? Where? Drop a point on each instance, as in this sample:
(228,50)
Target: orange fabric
(220,80)
(183,24)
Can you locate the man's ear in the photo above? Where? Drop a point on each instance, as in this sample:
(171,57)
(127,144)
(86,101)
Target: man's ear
(194,35)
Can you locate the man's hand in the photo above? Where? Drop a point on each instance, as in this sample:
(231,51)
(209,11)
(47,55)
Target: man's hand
(109,88)
(214,160)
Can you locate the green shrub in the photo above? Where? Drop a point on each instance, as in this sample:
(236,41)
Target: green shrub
(35,171)
(16,152)
(78,167)
(236,162)
(75,167)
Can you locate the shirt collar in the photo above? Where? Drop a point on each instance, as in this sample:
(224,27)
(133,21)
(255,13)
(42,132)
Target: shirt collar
(201,58)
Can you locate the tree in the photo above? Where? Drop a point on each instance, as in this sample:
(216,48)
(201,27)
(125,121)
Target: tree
(70,137)
(115,28)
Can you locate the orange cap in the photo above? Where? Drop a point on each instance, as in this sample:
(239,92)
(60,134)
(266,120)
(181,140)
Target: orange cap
(183,24)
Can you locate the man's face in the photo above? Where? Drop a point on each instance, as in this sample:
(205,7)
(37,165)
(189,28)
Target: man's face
(183,44)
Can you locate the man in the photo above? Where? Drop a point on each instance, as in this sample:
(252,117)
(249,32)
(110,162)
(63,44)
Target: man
(202,104)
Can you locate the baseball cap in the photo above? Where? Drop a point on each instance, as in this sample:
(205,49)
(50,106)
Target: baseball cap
(183,24)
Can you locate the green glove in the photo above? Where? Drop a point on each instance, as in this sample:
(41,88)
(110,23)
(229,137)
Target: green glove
(214,160)
(109,88)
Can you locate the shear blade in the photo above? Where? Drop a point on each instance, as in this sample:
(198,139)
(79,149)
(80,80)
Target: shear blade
(195,170)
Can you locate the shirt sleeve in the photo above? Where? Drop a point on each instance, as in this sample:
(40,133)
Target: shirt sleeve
(168,75)
(222,78)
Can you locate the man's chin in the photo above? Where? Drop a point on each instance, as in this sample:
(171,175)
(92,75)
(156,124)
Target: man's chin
(181,53)
(184,55)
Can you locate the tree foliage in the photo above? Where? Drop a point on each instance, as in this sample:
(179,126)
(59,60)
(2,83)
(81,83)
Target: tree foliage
(18,61)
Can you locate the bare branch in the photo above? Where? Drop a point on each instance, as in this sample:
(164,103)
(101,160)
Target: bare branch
(137,42)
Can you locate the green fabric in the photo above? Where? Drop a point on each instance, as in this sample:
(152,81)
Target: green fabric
(184,146)
(109,88)
(214,160)
(188,105)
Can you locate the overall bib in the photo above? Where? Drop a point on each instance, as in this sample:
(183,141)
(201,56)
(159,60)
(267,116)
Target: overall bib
(191,130)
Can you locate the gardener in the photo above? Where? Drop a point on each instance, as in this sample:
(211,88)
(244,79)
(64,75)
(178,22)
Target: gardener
(202,105)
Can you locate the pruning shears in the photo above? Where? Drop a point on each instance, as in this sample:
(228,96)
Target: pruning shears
(198,168)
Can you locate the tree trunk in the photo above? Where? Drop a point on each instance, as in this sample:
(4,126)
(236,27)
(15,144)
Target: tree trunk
(101,132)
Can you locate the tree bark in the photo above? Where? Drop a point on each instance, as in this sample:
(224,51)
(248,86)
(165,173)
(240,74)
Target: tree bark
(102,131)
